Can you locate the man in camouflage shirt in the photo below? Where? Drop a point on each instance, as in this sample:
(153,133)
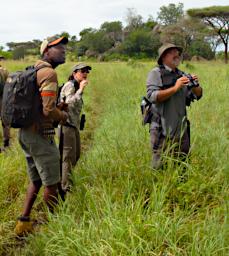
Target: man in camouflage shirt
(6,129)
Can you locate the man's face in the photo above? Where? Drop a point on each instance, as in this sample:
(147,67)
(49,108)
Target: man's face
(172,58)
(81,74)
(56,53)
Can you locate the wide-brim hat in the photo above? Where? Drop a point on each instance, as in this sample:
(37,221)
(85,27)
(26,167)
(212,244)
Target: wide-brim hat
(51,41)
(165,47)
(80,66)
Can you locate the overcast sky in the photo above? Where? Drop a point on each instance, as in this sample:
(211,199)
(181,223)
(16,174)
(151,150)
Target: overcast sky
(24,20)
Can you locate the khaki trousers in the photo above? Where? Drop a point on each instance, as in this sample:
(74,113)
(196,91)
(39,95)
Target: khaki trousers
(71,154)
(178,148)
(5,129)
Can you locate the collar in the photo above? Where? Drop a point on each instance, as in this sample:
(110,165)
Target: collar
(42,62)
(177,71)
(168,68)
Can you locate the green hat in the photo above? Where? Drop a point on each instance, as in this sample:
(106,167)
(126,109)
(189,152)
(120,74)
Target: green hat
(80,66)
(51,41)
(166,47)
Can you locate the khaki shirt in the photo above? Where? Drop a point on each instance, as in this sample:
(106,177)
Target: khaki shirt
(3,75)
(48,84)
(172,112)
(75,102)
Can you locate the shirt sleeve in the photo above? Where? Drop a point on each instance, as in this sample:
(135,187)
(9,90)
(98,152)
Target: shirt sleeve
(71,97)
(153,85)
(48,91)
(3,75)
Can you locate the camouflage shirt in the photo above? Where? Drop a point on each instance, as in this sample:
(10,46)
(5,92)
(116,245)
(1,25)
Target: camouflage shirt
(3,76)
(74,100)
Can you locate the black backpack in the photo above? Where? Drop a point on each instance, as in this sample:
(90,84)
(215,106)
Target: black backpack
(1,88)
(146,110)
(21,102)
(60,87)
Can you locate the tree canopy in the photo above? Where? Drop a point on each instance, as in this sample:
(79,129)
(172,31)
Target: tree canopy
(170,14)
(200,33)
(217,17)
(210,12)
(134,20)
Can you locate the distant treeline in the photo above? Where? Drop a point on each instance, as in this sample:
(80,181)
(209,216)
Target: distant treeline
(198,33)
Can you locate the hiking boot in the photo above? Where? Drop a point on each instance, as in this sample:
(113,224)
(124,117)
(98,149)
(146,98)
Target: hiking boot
(6,143)
(23,226)
(61,192)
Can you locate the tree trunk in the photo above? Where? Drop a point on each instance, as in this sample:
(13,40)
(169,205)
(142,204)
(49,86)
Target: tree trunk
(226,53)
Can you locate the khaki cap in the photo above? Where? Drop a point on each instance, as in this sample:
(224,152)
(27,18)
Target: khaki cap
(166,47)
(51,41)
(80,66)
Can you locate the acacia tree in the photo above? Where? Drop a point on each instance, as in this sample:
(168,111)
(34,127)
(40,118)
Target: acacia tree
(217,17)
(214,40)
(184,33)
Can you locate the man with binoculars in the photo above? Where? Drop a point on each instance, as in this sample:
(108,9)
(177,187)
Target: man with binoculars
(170,91)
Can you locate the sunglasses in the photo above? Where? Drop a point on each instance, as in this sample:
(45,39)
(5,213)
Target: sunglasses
(84,70)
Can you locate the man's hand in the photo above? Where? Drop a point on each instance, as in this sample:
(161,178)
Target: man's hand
(64,117)
(163,95)
(181,82)
(198,91)
(194,77)
(62,106)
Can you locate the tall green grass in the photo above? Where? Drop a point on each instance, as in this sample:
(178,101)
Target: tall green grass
(119,205)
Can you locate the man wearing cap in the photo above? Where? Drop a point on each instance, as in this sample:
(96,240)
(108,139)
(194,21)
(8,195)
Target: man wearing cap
(37,141)
(170,91)
(71,93)
(6,129)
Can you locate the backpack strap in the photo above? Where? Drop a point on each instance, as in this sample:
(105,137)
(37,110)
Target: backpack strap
(36,68)
(40,67)
(76,84)
(168,78)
